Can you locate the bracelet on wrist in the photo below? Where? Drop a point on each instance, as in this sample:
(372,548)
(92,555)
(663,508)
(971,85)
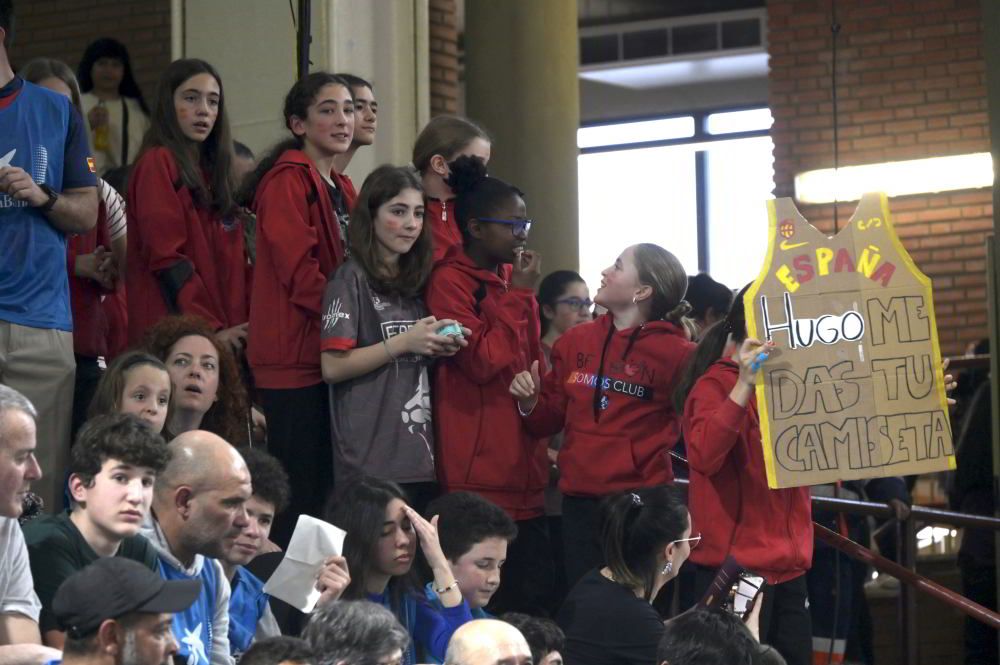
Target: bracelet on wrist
(446,589)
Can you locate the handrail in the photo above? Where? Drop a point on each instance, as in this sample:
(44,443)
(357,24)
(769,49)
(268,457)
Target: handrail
(921,513)
(969,362)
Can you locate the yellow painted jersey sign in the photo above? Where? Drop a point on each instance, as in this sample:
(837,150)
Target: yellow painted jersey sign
(854,388)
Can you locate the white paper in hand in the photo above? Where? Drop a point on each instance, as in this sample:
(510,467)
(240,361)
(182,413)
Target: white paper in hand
(313,542)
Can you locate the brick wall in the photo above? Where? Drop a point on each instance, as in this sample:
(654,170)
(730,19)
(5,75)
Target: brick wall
(63,28)
(444,57)
(911,84)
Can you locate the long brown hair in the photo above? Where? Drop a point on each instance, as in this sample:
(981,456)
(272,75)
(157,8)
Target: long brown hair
(445,135)
(213,156)
(108,394)
(228,415)
(379,187)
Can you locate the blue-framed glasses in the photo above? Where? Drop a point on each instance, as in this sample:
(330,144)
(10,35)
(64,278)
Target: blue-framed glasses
(519,227)
(579,304)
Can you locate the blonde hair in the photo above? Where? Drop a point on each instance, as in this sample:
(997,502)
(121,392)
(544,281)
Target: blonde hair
(445,135)
(39,69)
(663,273)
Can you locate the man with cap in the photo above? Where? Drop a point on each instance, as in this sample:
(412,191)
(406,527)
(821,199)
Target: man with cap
(118,612)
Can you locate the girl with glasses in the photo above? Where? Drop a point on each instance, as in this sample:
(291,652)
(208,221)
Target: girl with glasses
(608,617)
(769,532)
(481,443)
(609,391)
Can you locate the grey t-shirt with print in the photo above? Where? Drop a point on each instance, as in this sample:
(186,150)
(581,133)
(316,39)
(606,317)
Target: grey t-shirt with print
(381,421)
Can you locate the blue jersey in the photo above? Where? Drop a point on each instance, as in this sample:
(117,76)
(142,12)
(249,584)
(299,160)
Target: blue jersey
(41,133)
(247,604)
(193,627)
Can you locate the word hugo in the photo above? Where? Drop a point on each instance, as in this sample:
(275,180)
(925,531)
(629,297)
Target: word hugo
(825,329)
(869,264)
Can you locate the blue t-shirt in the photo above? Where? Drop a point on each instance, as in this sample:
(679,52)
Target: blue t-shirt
(435,602)
(429,629)
(247,605)
(43,134)
(193,627)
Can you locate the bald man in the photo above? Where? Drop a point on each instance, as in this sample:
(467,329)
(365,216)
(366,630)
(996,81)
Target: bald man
(488,642)
(198,511)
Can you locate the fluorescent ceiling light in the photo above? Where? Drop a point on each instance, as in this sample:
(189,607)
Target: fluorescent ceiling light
(739,121)
(680,70)
(915,176)
(635,132)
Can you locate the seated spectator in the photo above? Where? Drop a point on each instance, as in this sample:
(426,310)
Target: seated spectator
(250,616)
(207,391)
(356,632)
(545,638)
(19,606)
(474,535)
(280,650)
(382,534)
(136,383)
(199,509)
(118,612)
(608,616)
(488,642)
(112,469)
(712,636)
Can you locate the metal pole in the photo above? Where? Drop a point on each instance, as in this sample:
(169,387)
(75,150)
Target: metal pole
(304,36)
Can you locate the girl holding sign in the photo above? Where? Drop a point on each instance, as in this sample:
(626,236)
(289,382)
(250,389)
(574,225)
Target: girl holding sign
(767,531)
(609,389)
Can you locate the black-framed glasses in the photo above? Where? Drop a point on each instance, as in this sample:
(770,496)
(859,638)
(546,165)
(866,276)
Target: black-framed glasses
(579,304)
(519,227)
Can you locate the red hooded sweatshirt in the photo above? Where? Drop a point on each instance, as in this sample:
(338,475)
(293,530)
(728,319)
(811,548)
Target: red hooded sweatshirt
(445,234)
(298,247)
(90,324)
(482,446)
(182,258)
(624,440)
(767,531)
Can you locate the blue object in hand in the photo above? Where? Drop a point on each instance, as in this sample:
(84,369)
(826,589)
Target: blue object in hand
(451,330)
(758,361)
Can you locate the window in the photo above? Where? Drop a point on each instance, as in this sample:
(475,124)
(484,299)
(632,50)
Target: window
(696,185)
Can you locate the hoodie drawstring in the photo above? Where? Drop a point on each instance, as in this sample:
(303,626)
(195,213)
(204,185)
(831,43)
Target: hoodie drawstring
(599,388)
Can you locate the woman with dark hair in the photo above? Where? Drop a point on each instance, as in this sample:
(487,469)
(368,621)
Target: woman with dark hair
(300,242)
(378,340)
(186,252)
(207,392)
(113,103)
(609,392)
(382,535)
(483,447)
(768,531)
(608,616)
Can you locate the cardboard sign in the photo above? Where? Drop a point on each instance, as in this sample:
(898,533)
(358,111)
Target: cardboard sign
(854,388)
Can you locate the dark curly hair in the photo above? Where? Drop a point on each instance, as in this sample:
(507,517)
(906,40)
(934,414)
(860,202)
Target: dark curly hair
(476,193)
(228,415)
(268,477)
(465,519)
(117,436)
(542,635)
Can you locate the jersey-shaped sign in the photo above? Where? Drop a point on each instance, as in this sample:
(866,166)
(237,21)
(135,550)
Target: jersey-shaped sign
(854,387)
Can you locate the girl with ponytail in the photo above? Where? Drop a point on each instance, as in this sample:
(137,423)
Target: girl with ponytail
(768,532)
(609,389)
(608,617)
(482,445)
(301,239)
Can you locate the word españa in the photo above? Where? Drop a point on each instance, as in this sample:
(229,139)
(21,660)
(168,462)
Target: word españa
(806,269)
(825,329)
(866,441)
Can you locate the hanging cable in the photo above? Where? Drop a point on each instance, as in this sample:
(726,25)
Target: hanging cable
(835,32)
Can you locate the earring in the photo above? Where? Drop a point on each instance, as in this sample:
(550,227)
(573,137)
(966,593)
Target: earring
(669,568)
(634,300)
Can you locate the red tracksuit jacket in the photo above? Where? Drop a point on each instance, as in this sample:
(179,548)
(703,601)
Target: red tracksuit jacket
(482,446)
(298,247)
(90,324)
(444,230)
(628,444)
(767,531)
(182,259)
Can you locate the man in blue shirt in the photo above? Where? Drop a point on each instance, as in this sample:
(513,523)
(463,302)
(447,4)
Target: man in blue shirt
(47,190)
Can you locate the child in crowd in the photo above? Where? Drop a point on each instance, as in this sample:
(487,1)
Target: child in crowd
(378,340)
(112,469)
(474,535)
(186,252)
(769,532)
(382,535)
(444,139)
(250,617)
(609,390)
(135,383)
(544,636)
(207,392)
(365,124)
(300,240)
(482,445)
(113,103)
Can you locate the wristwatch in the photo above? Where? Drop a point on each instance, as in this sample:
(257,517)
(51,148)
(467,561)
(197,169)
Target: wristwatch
(53,197)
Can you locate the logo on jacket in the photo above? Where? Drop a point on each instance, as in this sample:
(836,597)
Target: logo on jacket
(605,402)
(334,314)
(196,647)
(377,303)
(620,386)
